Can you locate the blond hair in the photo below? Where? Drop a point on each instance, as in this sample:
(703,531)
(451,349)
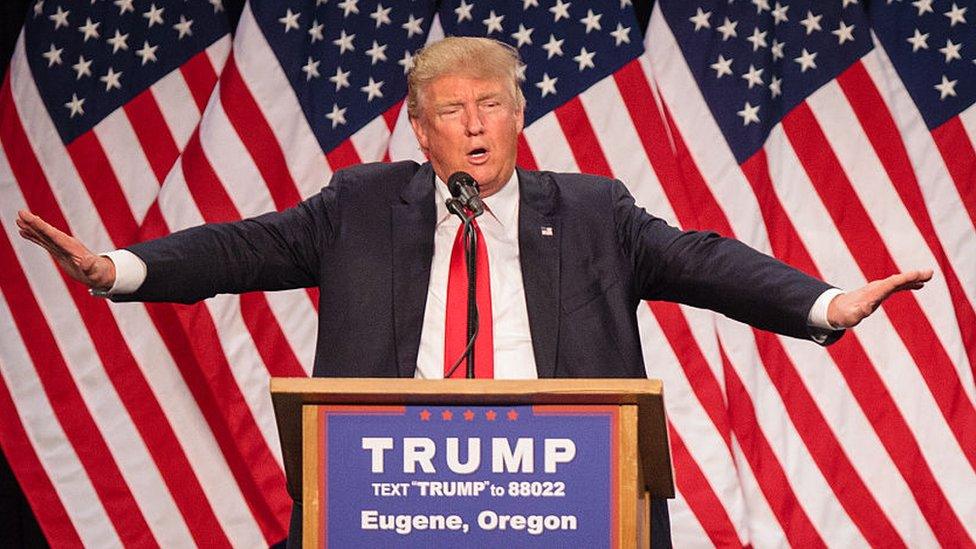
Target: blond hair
(463,55)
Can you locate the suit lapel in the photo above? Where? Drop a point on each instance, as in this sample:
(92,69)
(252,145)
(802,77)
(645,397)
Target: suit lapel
(539,236)
(413,221)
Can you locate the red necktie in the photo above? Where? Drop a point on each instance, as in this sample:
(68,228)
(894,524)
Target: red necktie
(456,323)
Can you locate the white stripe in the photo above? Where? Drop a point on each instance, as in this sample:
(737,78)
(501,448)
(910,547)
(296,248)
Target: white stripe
(271,90)
(549,145)
(219,52)
(686,531)
(888,214)
(372,140)
(177,106)
(299,321)
(968,119)
(764,528)
(128,161)
(99,395)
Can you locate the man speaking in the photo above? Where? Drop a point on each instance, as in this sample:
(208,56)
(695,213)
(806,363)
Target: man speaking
(563,260)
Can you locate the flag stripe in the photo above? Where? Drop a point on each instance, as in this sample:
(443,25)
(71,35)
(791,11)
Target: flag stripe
(129,163)
(960,158)
(200,77)
(524,156)
(343,156)
(586,148)
(150,127)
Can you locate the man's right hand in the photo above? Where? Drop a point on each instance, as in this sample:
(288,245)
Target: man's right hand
(95,271)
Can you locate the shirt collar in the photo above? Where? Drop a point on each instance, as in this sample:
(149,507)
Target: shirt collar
(503,205)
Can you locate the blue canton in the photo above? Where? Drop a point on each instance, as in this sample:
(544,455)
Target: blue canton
(89,57)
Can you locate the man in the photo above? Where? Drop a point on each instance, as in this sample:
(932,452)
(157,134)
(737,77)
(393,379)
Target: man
(568,257)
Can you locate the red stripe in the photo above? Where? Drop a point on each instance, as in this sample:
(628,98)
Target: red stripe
(151,131)
(200,78)
(871,254)
(766,467)
(391,115)
(524,157)
(700,496)
(257,136)
(862,379)
(89,158)
(700,376)
(342,156)
(960,158)
(268,337)
(33,480)
(879,126)
(586,148)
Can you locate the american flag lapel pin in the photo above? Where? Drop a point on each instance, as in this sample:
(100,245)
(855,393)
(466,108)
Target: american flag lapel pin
(546,231)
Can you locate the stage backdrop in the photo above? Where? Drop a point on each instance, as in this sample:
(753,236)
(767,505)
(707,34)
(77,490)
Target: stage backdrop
(836,136)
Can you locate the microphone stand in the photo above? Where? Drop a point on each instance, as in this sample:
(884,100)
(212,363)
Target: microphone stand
(470,236)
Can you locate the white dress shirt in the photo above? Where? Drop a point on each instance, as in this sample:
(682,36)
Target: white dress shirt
(513,358)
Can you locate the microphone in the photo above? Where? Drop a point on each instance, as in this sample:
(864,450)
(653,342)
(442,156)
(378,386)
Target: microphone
(464,188)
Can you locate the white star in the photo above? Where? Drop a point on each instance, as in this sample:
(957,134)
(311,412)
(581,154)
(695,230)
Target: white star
(377,52)
(89,29)
(372,89)
(625,3)
(154,15)
(923,6)
(728,29)
(111,79)
(348,6)
(412,26)
(406,62)
(75,105)
(946,88)
(749,114)
(381,15)
(753,77)
(777,49)
(779,14)
(560,10)
(311,69)
(585,59)
(184,26)
(553,47)
(592,21)
(848,2)
(761,5)
(806,60)
(844,33)
(526,4)
(547,85)
(722,67)
(463,11)
(60,18)
(700,19)
(218,5)
(53,56)
(956,15)
(811,22)
(337,116)
(315,31)
(289,20)
(775,89)
(523,36)
(493,22)
(82,67)
(341,79)
(758,39)
(124,6)
(919,41)
(520,72)
(344,42)
(119,41)
(38,7)
(147,53)
(621,35)
(951,51)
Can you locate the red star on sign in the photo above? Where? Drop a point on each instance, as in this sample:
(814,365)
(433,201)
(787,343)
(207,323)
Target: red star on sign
(446,415)
(468,415)
(512,415)
(490,415)
(425,415)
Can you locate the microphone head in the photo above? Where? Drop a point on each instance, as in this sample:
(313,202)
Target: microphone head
(459,179)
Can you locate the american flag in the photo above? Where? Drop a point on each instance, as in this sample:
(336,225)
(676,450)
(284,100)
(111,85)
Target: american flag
(152,424)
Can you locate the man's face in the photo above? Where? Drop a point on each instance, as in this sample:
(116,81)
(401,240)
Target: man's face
(472,125)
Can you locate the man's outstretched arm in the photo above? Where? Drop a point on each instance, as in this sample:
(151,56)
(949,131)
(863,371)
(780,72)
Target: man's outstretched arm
(95,271)
(849,308)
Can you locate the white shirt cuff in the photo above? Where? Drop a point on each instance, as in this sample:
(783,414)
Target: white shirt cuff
(817,318)
(130,272)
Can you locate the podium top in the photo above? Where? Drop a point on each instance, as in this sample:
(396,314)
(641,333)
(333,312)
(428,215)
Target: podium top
(289,395)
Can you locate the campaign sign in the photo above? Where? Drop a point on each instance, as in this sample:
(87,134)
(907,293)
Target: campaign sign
(471,476)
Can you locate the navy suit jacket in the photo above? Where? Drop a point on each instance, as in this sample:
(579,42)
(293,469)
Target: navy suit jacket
(589,255)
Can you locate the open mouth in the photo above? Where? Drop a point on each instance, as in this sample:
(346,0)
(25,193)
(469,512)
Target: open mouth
(478,154)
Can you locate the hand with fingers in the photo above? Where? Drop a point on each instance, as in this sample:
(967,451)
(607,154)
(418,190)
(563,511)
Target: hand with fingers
(95,271)
(848,309)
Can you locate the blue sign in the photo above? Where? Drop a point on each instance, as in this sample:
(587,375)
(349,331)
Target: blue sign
(541,476)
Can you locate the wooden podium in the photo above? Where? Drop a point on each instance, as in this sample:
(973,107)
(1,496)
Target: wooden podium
(624,466)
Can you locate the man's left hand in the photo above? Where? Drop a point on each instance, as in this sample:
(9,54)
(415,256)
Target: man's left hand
(848,309)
